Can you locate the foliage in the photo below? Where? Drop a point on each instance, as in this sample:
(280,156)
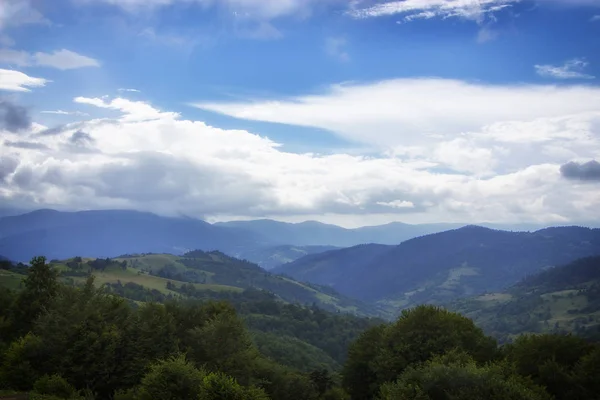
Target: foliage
(172,379)
(550,360)
(18,370)
(40,287)
(419,334)
(54,385)
(218,386)
(459,377)
(85,339)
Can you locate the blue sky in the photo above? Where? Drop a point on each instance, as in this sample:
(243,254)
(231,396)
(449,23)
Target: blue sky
(352,112)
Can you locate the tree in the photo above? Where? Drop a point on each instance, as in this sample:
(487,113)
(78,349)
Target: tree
(586,373)
(322,380)
(218,386)
(172,379)
(19,367)
(548,360)
(457,376)
(418,335)
(40,287)
(223,344)
(359,376)
(55,385)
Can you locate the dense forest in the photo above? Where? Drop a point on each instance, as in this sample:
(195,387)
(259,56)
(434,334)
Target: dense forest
(60,341)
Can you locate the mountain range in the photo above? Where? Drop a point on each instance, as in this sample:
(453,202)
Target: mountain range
(439,267)
(109,233)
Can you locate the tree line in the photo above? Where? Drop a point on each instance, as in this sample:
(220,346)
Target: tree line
(63,342)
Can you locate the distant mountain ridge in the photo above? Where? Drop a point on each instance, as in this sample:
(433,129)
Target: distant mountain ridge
(111,233)
(108,233)
(443,266)
(311,233)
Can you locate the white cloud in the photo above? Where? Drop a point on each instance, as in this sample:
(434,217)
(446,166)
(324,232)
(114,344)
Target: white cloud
(149,159)
(129,90)
(19,12)
(463,155)
(62,112)
(60,59)
(18,81)
(426,9)
(409,112)
(336,48)
(397,204)
(133,110)
(64,59)
(572,69)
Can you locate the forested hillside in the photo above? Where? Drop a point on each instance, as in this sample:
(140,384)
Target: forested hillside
(443,266)
(561,299)
(303,336)
(63,342)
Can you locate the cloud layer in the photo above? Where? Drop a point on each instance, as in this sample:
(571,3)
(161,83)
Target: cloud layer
(61,59)
(500,167)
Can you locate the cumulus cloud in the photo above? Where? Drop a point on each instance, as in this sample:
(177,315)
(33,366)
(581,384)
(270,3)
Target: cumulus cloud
(19,82)
(589,171)
(133,110)
(572,69)
(148,159)
(13,117)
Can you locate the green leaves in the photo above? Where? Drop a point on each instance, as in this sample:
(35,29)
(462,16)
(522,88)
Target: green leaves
(381,354)
(458,377)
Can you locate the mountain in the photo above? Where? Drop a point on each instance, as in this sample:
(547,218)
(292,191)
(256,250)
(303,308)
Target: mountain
(561,299)
(198,274)
(443,266)
(313,233)
(110,233)
(274,256)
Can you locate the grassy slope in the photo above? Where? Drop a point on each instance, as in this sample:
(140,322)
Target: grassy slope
(10,280)
(219,273)
(543,303)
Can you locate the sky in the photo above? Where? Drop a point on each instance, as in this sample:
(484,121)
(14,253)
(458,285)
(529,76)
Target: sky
(356,113)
